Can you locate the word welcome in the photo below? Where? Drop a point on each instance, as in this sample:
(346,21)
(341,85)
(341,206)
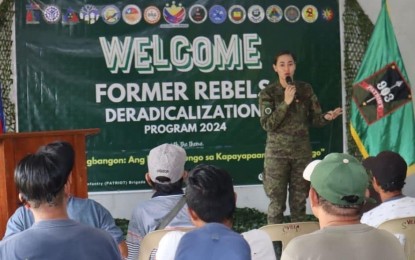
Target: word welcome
(146,54)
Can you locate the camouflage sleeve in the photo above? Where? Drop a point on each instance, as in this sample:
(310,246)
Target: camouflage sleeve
(317,117)
(271,114)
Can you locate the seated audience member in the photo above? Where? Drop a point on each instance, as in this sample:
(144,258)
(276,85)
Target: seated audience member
(165,175)
(85,211)
(212,202)
(389,173)
(337,194)
(40,180)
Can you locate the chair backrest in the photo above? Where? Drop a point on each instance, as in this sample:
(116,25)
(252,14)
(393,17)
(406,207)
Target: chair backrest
(287,231)
(151,241)
(404,230)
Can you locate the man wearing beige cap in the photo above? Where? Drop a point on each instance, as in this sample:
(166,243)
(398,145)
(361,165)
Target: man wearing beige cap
(165,175)
(338,186)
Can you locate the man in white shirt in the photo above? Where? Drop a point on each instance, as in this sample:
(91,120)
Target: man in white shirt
(389,174)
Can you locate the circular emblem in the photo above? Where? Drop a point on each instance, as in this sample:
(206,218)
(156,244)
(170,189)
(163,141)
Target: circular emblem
(174,14)
(309,13)
(89,14)
(274,13)
(327,14)
(70,17)
(237,14)
(111,14)
(152,15)
(261,176)
(52,14)
(292,13)
(256,14)
(131,14)
(198,14)
(268,111)
(217,14)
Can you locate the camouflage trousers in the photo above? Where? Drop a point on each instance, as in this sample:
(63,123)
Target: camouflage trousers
(280,173)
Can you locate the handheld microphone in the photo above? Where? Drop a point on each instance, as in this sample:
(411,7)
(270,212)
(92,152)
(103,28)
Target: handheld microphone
(290,82)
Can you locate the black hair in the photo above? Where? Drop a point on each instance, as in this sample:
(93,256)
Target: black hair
(168,188)
(341,210)
(40,179)
(392,186)
(63,151)
(210,193)
(284,52)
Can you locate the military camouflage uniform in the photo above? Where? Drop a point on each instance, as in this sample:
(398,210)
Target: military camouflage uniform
(288,148)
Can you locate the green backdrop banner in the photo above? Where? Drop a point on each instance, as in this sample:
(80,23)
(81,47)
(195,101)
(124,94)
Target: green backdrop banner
(153,72)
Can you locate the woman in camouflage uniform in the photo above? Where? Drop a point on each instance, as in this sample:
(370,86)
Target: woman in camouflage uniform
(288,109)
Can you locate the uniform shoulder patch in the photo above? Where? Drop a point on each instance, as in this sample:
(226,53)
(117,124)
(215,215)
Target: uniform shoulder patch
(268,108)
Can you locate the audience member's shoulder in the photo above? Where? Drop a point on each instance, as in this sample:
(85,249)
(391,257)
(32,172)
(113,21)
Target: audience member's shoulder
(228,245)
(367,215)
(22,211)
(85,202)
(96,232)
(77,201)
(143,205)
(268,89)
(13,237)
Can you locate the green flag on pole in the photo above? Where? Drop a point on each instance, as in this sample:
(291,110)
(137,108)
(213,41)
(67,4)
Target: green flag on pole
(382,116)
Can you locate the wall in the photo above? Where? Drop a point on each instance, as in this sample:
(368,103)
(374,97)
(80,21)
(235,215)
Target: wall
(120,204)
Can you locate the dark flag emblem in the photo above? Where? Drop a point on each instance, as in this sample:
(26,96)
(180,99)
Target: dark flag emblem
(381,94)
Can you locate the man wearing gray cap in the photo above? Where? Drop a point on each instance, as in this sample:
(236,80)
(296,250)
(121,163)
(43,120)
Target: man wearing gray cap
(165,175)
(338,186)
(389,173)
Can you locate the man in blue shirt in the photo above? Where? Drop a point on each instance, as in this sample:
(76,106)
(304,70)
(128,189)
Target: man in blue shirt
(86,211)
(41,180)
(211,201)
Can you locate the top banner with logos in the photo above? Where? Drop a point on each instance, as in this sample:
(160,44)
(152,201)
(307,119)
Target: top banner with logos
(182,72)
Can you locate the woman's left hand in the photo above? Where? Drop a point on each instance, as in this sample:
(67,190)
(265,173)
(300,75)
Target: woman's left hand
(332,114)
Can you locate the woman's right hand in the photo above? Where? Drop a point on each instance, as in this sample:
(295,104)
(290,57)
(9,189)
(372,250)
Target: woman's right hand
(289,94)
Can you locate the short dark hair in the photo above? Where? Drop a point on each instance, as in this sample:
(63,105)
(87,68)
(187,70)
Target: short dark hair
(63,151)
(210,193)
(340,210)
(40,179)
(168,188)
(284,52)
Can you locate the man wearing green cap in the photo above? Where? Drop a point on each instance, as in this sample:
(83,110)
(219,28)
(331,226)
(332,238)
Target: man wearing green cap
(338,186)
